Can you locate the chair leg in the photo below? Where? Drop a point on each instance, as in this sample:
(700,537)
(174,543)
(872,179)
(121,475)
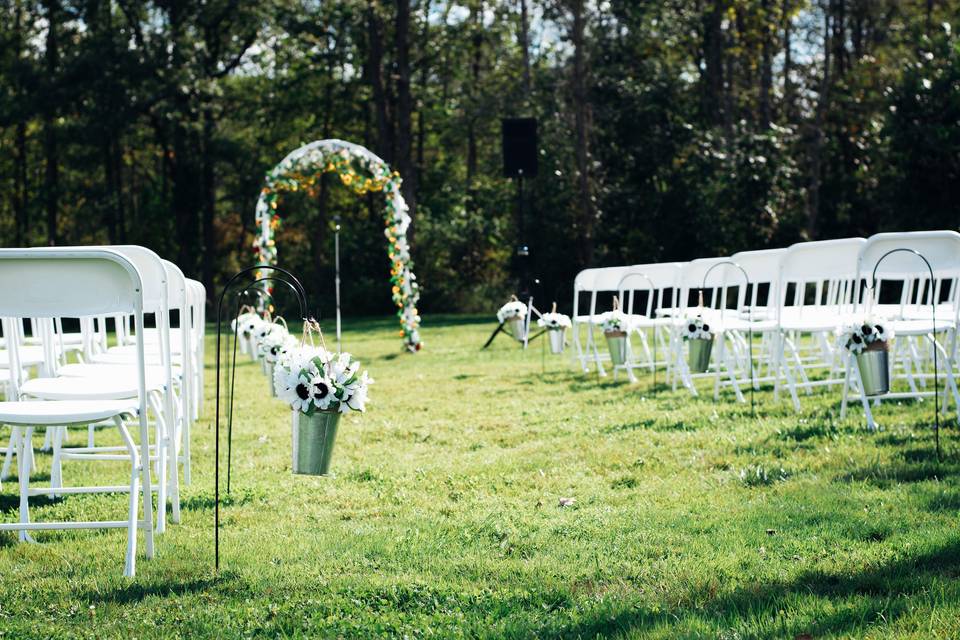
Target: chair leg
(12,448)
(161,463)
(133,510)
(56,465)
(23,478)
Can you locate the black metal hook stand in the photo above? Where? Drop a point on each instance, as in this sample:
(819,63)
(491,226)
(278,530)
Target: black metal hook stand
(291,281)
(746,283)
(933,333)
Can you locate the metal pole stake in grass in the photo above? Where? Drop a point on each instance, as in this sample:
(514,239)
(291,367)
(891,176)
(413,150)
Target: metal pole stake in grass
(933,333)
(746,283)
(301,295)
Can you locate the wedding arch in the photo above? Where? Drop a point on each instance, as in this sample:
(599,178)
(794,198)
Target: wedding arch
(363,172)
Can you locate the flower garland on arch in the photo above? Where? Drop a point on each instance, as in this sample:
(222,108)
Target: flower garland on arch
(362,172)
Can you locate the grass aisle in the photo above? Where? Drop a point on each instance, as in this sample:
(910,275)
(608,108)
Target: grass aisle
(689,518)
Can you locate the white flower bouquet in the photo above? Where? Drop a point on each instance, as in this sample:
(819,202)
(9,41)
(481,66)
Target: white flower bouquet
(311,380)
(511,310)
(696,329)
(554,321)
(614,322)
(869,335)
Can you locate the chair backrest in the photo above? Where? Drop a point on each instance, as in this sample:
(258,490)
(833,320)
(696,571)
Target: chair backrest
(692,280)
(593,281)
(940,248)
(762,269)
(659,280)
(819,275)
(52,282)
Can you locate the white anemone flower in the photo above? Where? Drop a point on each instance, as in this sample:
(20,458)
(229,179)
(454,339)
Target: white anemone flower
(554,321)
(294,389)
(697,329)
(513,309)
(357,400)
(321,392)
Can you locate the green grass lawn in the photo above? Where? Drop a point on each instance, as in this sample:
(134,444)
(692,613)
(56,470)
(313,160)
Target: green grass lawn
(444,518)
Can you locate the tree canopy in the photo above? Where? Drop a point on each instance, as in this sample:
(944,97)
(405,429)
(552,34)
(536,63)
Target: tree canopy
(669,129)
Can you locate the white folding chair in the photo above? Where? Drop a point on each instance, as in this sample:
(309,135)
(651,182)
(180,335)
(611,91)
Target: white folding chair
(102,380)
(815,296)
(71,283)
(912,316)
(658,283)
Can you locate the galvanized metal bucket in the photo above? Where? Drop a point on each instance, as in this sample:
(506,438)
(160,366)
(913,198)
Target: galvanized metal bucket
(874,368)
(556,340)
(271,366)
(617,344)
(515,327)
(699,356)
(313,438)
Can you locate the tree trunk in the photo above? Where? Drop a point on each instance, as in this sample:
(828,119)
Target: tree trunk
(424,79)
(816,145)
(51,184)
(21,230)
(788,100)
(209,199)
(582,118)
(385,141)
(766,67)
(404,158)
(712,80)
(476,21)
(524,39)
(110,212)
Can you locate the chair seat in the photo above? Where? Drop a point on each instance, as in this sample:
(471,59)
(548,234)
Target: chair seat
(915,327)
(130,359)
(150,348)
(68,339)
(107,388)
(64,413)
(29,357)
(99,370)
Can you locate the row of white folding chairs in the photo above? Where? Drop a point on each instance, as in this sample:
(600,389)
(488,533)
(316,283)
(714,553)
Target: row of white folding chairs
(131,379)
(810,289)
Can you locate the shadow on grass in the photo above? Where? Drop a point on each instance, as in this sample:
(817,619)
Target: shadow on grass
(886,589)
(137,592)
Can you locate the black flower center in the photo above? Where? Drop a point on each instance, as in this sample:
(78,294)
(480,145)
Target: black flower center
(879,328)
(321,390)
(866,330)
(706,327)
(274,350)
(302,391)
(856,339)
(691,327)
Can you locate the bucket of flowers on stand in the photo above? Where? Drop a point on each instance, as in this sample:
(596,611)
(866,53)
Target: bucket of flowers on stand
(699,338)
(614,326)
(513,316)
(263,331)
(244,325)
(319,387)
(556,325)
(274,346)
(869,342)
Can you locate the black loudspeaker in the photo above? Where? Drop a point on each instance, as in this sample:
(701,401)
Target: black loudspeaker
(519,147)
